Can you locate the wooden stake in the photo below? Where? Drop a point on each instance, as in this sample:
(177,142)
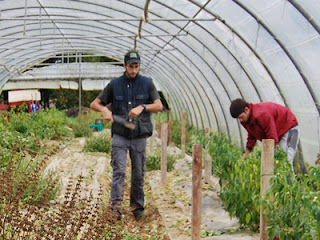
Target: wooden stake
(164,138)
(153,135)
(208,162)
(168,122)
(183,134)
(196,191)
(159,124)
(267,169)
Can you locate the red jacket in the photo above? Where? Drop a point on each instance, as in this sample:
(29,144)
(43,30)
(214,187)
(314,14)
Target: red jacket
(268,121)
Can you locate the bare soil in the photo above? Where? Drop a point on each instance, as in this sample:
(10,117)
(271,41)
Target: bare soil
(96,173)
(168,208)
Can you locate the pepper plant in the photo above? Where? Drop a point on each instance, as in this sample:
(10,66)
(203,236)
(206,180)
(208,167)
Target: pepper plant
(293,211)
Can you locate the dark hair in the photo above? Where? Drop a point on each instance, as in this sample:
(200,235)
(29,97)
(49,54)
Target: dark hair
(237,107)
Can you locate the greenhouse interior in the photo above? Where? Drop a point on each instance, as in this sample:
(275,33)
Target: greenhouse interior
(200,54)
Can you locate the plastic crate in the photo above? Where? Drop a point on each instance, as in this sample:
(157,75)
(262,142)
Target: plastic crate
(96,127)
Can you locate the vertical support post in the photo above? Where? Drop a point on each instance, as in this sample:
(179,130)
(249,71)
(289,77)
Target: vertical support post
(267,169)
(68,59)
(208,161)
(40,22)
(183,133)
(159,124)
(196,190)
(153,136)
(25,15)
(168,122)
(164,138)
(80,82)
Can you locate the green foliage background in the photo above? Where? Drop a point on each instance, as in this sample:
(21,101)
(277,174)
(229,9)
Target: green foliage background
(22,134)
(66,98)
(99,143)
(154,161)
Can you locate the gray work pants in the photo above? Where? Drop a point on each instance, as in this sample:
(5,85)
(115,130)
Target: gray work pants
(137,152)
(289,143)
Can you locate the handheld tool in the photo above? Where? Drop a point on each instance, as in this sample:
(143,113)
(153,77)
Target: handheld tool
(123,122)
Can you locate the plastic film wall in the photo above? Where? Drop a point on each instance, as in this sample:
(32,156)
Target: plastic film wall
(201,54)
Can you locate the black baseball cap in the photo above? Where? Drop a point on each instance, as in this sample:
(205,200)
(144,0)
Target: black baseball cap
(132,57)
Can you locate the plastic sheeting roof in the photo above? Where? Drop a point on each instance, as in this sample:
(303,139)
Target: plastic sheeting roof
(201,53)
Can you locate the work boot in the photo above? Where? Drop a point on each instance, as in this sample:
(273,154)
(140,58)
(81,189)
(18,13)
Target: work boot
(114,215)
(138,214)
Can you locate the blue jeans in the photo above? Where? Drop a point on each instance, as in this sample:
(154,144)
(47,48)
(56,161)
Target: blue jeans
(289,143)
(137,152)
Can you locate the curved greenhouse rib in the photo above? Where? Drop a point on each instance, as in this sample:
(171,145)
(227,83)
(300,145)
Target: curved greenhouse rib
(201,7)
(292,59)
(168,43)
(201,54)
(306,15)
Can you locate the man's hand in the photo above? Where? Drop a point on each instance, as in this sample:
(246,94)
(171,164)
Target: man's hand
(242,158)
(106,114)
(135,112)
(247,152)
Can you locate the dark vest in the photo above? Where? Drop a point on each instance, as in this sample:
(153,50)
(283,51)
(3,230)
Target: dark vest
(128,94)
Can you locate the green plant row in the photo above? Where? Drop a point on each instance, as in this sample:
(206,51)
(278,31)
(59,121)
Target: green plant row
(46,124)
(81,124)
(294,212)
(193,135)
(23,186)
(154,161)
(76,218)
(99,143)
(24,131)
(22,159)
(25,189)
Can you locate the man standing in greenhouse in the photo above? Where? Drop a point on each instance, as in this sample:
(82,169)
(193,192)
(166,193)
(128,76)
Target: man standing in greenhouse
(268,120)
(132,97)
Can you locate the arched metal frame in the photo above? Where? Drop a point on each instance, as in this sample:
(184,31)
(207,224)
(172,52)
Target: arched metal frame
(202,54)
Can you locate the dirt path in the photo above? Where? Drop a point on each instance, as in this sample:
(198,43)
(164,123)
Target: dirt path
(72,162)
(174,202)
(168,208)
(96,173)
